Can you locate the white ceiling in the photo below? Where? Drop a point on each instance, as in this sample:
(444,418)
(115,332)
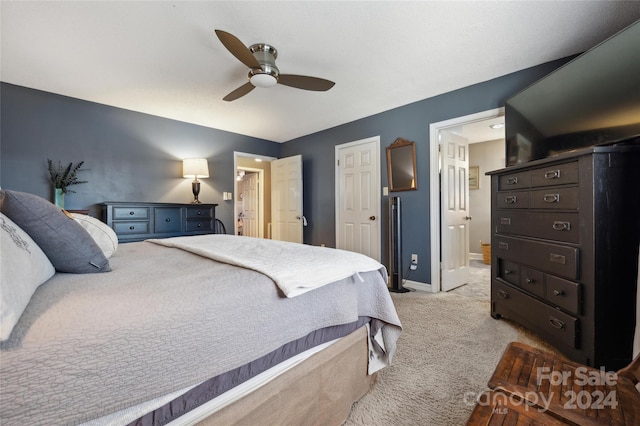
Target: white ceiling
(163,58)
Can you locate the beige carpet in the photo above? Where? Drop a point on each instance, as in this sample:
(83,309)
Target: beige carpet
(449,348)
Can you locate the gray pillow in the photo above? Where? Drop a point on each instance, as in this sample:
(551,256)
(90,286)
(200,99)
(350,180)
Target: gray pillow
(66,243)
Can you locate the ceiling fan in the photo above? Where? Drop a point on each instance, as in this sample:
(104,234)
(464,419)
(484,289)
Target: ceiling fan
(263,72)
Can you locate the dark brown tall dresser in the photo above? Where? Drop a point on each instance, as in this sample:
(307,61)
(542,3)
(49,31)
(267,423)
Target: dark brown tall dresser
(565,236)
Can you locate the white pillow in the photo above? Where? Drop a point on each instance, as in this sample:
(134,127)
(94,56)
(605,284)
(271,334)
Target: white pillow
(23,267)
(101,233)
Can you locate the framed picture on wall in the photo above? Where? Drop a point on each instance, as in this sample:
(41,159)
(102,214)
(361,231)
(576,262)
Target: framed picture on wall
(474,177)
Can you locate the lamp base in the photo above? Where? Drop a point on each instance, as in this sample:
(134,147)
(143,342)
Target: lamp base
(195,188)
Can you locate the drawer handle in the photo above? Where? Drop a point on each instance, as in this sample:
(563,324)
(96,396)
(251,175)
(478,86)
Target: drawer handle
(512,180)
(508,272)
(529,280)
(551,198)
(561,226)
(557,258)
(131,228)
(199,213)
(556,323)
(552,174)
(503,246)
(168,219)
(503,294)
(199,225)
(505,221)
(558,292)
(131,213)
(512,199)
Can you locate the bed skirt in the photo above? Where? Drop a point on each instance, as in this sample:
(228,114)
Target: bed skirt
(318,391)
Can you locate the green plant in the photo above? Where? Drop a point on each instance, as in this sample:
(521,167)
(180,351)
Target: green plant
(63,177)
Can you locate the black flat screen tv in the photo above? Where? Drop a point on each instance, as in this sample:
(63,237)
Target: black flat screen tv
(592,100)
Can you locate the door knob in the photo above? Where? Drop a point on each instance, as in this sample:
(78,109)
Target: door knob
(372,218)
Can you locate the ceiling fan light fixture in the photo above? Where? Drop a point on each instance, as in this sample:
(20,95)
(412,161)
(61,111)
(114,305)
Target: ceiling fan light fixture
(264,77)
(263,80)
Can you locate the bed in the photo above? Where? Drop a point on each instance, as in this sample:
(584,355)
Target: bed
(210,329)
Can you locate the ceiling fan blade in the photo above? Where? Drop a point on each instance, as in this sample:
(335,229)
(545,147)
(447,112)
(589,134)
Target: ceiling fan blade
(239,92)
(305,82)
(237,49)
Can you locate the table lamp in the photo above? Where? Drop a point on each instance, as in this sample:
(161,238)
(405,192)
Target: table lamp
(195,168)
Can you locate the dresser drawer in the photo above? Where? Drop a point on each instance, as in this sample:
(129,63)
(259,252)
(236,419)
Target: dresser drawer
(130,213)
(513,200)
(199,225)
(558,174)
(514,181)
(558,328)
(557,198)
(562,293)
(552,258)
(532,281)
(167,219)
(509,271)
(199,213)
(556,226)
(129,228)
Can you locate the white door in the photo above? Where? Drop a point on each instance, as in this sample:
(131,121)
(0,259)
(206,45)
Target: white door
(250,197)
(358,197)
(455,210)
(286,199)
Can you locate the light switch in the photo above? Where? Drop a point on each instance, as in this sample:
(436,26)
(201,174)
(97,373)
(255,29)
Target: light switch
(385,190)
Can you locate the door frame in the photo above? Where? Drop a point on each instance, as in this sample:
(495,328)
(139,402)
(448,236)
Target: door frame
(435,184)
(237,154)
(260,173)
(375,139)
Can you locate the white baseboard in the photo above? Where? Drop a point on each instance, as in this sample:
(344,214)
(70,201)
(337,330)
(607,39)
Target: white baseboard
(475,256)
(416,285)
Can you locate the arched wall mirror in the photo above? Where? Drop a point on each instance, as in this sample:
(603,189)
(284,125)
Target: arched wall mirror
(401,165)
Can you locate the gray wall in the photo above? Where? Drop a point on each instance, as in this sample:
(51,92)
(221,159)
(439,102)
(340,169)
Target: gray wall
(409,122)
(487,156)
(136,157)
(129,156)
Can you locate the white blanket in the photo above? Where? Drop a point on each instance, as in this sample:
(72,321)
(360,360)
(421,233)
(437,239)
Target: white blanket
(295,268)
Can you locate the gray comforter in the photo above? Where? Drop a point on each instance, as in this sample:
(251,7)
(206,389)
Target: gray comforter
(162,320)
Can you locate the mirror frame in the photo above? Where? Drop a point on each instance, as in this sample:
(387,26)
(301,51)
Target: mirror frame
(400,143)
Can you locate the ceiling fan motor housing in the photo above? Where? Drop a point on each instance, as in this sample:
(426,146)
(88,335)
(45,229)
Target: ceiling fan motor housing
(267,75)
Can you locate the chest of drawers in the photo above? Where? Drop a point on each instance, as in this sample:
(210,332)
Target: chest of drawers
(565,236)
(139,221)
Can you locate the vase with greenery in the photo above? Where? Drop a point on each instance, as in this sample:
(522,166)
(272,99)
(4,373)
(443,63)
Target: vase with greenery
(62,177)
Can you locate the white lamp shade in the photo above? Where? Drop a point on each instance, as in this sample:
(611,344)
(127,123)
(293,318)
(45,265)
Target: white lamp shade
(195,168)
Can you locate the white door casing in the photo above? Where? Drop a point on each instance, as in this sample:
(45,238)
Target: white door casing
(455,210)
(436,185)
(262,193)
(358,197)
(286,199)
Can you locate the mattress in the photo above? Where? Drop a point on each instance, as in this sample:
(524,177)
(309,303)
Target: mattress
(195,396)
